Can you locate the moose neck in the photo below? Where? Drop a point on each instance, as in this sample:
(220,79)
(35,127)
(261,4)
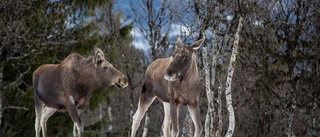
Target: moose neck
(192,71)
(88,74)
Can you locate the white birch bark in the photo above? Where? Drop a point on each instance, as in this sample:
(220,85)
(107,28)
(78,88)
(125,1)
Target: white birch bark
(131,110)
(110,127)
(191,127)
(209,93)
(229,80)
(209,82)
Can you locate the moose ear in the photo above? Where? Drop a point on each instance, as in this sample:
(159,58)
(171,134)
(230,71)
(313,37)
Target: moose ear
(196,45)
(98,56)
(179,41)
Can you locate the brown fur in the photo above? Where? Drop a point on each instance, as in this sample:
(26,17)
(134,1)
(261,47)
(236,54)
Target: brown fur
(174,80)
(68,86)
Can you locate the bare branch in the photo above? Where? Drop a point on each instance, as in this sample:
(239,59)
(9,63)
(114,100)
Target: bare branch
(19,80)
(15,107)
(60,42)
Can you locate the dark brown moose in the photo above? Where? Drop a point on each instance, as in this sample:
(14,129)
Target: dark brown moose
(68,86)
(174,81)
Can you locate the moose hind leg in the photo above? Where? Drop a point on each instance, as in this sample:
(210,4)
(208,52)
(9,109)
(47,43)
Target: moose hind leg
(46,114)
(38,110)
(195,116)
(143,106)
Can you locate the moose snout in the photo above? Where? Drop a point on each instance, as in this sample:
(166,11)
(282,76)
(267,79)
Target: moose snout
(171,75)
(172,71)
(122,82)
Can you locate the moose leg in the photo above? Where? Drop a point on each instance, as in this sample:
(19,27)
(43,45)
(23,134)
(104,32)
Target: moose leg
(46,113)
(74,125)
(174,113)
(77,121)
(195,116)
(143,105)
(166,119)
(38,109)
(72,110)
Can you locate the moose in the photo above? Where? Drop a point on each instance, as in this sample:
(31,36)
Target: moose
(174,81)
(68,87)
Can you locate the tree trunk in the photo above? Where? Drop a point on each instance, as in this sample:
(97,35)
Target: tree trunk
(1,92)
(1,106)
(220,124)
(229,80)
(131,110)
(187,127)
(110,127)
(215,56)
(209,115)
(292,108)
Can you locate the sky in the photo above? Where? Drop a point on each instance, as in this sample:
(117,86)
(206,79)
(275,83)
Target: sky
(139,41)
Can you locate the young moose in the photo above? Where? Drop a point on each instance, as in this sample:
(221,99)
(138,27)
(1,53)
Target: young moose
(175,81)
(68,86)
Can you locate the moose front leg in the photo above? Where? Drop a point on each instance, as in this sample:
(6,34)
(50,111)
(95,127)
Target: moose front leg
(174,113)
(73,112)
(166,119)
(74,125)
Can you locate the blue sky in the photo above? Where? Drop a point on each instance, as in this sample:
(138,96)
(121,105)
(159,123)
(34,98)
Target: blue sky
(176,28)
(139,41)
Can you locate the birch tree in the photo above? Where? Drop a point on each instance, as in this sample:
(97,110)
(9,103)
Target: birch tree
(209,15)
(154,23)
(202,12)
(210,114)
(229,80)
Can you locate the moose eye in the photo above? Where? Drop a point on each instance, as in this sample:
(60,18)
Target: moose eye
(104,68)
(184,57)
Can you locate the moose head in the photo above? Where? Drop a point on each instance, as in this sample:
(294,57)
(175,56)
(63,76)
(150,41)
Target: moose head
(182,59)
(105,73)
